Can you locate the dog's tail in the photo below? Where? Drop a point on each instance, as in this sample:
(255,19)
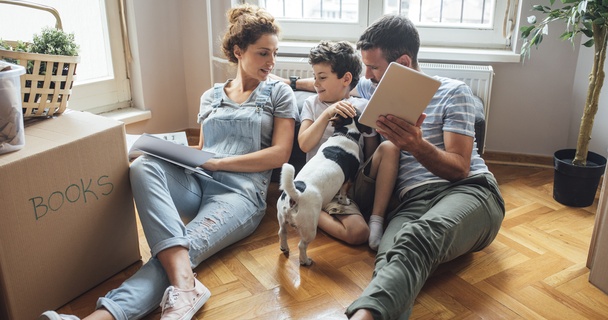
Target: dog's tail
(287,182)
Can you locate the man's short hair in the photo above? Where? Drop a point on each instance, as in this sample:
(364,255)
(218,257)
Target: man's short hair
(395,35)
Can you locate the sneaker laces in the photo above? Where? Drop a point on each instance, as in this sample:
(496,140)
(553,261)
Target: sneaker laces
(169,298)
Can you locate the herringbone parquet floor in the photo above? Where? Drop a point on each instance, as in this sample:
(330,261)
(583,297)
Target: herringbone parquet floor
(535,269)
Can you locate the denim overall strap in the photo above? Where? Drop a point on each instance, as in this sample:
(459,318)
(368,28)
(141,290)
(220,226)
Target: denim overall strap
(217,95)
(264,96)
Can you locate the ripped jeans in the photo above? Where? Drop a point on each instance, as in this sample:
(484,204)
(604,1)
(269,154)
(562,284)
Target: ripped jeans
(167,195)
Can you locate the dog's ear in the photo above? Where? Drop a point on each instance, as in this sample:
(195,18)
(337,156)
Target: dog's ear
(361,127)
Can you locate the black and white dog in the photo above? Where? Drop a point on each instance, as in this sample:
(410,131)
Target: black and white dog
(330,171)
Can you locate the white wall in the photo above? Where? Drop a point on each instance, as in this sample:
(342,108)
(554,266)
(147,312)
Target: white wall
(169,40)
(535,108)
(531,102)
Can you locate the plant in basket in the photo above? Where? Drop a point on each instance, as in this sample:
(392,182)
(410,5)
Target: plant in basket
(20,47)
(56,42)
(50,61)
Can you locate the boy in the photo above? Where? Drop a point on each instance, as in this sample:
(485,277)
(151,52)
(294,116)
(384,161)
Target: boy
(337,68)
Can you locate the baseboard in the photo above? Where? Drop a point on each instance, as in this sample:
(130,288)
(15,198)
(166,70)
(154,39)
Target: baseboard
(518,159)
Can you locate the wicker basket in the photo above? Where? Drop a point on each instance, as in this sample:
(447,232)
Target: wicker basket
(45,88)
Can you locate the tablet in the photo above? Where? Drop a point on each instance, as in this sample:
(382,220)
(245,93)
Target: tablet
(403,92)
(181,155)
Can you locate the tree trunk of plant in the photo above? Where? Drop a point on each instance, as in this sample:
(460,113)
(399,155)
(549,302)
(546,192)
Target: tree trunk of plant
(596,80)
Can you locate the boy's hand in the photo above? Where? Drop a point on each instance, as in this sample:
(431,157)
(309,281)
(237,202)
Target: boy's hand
(343,108)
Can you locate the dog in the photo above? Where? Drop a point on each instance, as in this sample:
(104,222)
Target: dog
(328,173)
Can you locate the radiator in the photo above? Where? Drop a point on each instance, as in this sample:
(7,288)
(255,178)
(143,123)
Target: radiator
(287,66)
(478,77)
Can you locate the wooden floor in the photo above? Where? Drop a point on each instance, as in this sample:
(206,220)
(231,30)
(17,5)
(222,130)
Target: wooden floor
(535,269)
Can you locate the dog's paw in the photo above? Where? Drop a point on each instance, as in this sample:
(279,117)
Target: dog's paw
(306,263)
(285,251)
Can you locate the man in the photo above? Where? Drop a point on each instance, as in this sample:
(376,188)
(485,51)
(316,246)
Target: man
(450,204)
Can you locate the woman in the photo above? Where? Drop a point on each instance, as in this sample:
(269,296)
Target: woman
(248,122)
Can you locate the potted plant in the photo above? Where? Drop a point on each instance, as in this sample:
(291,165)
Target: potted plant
(577,171)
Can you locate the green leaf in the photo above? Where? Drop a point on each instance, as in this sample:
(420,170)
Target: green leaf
(589,43)
(587,32)
(525,31)
(537,39)
(567,35)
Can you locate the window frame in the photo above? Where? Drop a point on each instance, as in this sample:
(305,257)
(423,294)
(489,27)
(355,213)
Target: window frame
(112,92)
(494,37)
(308,30)
(456,44)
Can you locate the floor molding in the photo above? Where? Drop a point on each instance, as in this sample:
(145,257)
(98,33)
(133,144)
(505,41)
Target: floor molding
(518,159)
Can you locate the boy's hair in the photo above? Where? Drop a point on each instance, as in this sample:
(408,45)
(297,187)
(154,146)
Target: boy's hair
(393,34)
(341,56)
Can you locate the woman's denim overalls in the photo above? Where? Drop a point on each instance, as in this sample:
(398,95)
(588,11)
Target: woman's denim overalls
(220,211)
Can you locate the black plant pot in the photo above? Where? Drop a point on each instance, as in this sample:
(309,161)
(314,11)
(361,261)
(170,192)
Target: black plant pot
(576,186)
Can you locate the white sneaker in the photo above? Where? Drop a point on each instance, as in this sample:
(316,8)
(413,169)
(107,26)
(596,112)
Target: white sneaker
(52,315)
(180,304)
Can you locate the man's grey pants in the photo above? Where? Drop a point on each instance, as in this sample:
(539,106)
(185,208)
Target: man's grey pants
(435,223)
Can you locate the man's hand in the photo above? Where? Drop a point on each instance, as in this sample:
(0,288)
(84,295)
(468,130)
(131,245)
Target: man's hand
(404,135)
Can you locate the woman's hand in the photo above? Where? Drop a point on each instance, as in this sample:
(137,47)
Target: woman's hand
(211,165)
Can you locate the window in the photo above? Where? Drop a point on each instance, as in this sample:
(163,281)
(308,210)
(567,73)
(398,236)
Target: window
(101,84)
(478,24)
(308,20)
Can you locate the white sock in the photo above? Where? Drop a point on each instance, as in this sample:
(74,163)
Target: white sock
(376,229)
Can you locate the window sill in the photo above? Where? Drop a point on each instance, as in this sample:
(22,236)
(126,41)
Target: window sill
(435,54)
(431,54)
(128,115)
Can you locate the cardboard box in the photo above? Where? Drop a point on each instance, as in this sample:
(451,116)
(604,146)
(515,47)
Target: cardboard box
(67,219)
